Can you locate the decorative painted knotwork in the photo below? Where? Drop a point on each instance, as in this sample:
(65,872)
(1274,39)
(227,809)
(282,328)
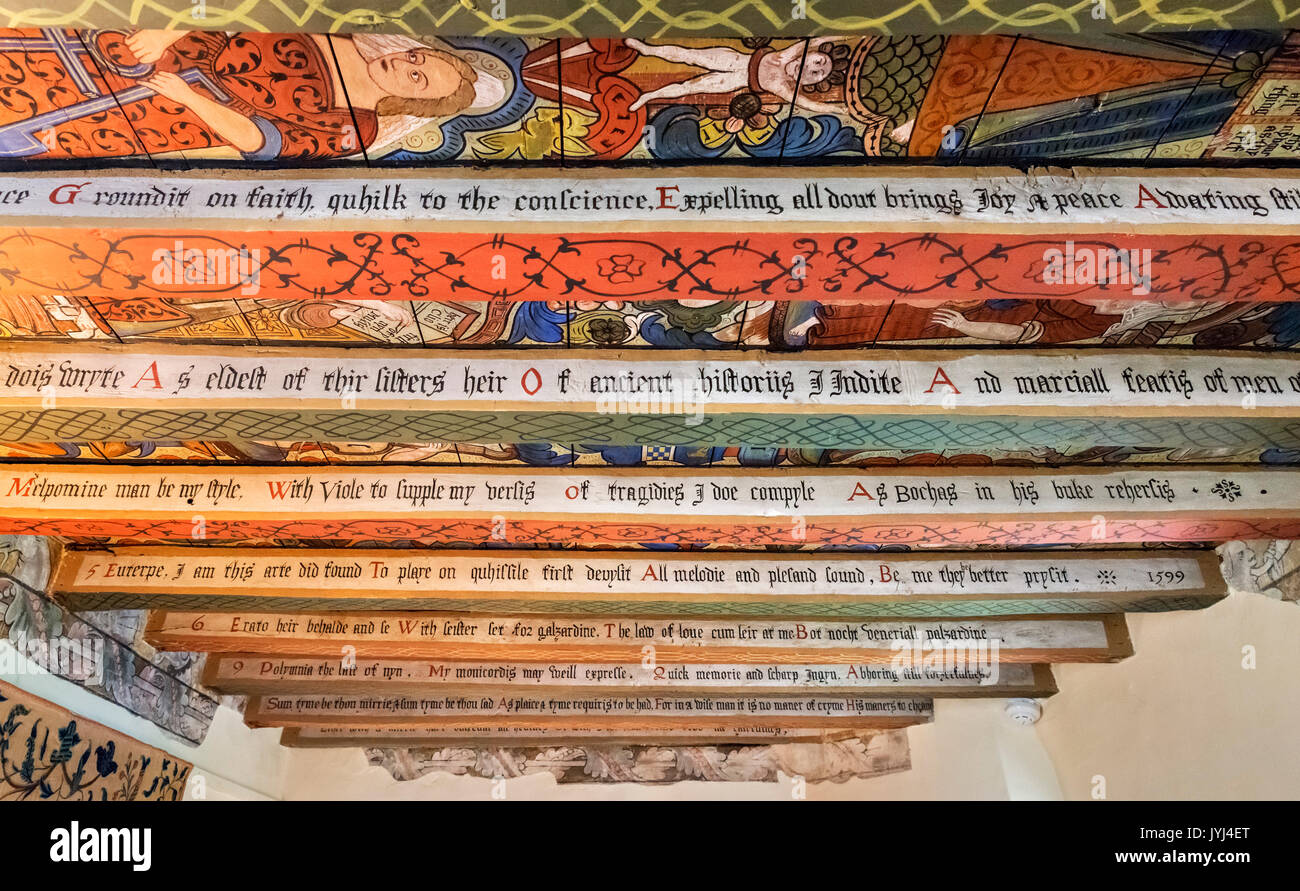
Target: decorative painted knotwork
(564,18)
(404,266)
(895,400)
(128,240)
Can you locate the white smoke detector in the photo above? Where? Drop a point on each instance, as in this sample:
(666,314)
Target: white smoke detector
(1024,711)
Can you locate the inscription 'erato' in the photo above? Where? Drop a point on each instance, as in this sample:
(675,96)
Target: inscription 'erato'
(54,491)
(667,384)
(666,198)
(594,575)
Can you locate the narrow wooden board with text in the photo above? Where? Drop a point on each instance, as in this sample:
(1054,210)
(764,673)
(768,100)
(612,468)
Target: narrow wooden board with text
(475,638)
(593,506)
(258,673)
(895,399)
(755,233)
(892,584)
(563,707)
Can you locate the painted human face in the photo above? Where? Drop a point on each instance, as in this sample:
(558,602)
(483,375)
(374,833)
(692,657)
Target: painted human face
(414,74)
(816,68)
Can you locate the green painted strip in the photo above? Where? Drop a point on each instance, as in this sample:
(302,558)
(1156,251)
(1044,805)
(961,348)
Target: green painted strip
(900,431)
(665,18)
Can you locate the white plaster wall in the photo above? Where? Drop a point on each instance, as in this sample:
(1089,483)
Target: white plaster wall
(965,753)
(1180,719)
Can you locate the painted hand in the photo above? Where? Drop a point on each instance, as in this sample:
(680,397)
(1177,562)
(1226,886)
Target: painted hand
(170,86)
(950,318)
(148,46)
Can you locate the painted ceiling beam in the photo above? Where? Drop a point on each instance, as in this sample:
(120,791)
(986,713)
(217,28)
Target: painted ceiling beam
(603,639)
(892,584)
(864,235)
(241,674)
(568,708)
(900,506)
(855,399)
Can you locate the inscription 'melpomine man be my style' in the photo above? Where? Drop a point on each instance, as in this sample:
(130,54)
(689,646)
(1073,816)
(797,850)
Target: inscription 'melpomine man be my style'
(61,490)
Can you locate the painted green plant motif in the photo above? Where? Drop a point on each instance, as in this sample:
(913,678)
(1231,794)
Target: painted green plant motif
(42,762)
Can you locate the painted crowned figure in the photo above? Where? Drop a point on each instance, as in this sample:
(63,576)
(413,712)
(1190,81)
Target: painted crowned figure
(262,97)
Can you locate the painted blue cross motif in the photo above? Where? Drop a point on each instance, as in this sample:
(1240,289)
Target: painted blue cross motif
(81,60)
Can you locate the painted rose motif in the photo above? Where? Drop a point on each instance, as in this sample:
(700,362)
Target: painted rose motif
(620,269)
(608,330)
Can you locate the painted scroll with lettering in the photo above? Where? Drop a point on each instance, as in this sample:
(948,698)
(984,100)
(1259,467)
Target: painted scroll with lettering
(251,673)
(918,235)
(564,707)
(455,637)
(864,507)
(660,584)
(864,400)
